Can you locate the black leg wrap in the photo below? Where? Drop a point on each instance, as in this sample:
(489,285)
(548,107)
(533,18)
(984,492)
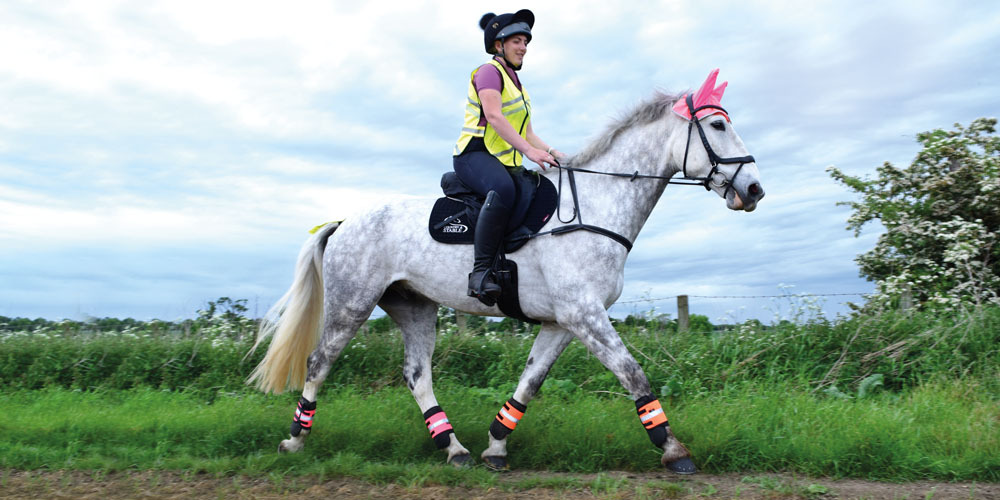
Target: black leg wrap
(498,431)
(503,425)
(304,413)
(443,440)
(658,433)
(439,427)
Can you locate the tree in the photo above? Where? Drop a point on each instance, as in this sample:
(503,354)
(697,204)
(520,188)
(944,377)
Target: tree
(941,217)
(699,323)
(224,317)
(228,309)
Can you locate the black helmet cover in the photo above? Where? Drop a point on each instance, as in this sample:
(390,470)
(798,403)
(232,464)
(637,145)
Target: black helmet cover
(505,25)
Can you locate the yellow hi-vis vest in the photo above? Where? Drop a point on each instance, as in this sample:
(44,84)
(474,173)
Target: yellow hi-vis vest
(515,106)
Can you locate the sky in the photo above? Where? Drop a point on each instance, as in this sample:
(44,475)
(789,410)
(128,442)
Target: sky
(156,155)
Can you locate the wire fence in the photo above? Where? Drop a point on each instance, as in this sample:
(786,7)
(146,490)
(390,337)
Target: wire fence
(783,295)
(735,309)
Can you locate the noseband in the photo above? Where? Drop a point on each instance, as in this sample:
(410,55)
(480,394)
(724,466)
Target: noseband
(706,181)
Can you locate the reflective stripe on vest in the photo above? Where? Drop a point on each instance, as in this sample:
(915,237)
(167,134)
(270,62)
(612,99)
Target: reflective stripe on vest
(516,108)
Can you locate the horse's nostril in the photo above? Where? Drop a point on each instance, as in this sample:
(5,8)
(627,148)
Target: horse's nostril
(754,189)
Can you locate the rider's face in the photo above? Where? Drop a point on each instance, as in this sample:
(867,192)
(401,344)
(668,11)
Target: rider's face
(514,48)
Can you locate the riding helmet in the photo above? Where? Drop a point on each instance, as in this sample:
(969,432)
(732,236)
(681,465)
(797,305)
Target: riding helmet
(500,27)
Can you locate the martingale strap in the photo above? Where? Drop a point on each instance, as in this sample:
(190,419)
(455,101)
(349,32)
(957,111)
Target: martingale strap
(507,418)
(438,426)
(576,214)
(303,419)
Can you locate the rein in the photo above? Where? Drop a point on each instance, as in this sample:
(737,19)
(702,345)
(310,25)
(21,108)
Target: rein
(706,181)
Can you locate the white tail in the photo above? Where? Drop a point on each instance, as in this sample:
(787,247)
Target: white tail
(294,321)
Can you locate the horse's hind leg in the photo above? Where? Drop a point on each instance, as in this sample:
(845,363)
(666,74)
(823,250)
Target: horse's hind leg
(348,304)
(417,317)
(549,344)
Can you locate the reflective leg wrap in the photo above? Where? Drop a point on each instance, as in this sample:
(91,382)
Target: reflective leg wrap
(437,424)
(653,419)
(303,416)
(507,419)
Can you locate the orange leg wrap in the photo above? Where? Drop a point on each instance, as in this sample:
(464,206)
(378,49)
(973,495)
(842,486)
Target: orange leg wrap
(507,418)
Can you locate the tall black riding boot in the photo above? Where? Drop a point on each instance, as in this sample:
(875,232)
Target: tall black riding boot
(489,236)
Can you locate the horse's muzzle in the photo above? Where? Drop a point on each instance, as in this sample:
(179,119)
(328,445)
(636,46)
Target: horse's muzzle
(754,193)
(745,199)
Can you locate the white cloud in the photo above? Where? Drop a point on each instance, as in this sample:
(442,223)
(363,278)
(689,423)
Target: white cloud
(187,132)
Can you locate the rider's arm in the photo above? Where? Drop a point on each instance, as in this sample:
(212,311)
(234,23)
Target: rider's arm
(490,100)
(537,142)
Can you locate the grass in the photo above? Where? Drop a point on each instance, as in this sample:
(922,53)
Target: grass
(895,397)
(944,430)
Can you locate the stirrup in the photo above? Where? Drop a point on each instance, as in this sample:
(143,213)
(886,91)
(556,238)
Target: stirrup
(486,298)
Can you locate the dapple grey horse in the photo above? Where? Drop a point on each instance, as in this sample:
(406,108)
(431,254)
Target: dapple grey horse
(567,281)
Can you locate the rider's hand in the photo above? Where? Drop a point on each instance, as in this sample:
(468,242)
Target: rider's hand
(540,157)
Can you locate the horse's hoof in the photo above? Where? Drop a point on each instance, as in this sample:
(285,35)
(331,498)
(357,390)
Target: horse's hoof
(498,464)
(682,466)
(289,446)
(461,461)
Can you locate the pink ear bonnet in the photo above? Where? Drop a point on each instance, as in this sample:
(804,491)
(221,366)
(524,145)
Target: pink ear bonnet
(707,94)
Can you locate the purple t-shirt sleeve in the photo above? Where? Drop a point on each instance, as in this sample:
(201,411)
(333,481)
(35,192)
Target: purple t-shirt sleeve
(488,77)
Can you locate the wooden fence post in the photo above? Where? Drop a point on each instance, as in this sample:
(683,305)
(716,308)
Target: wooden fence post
(460,321)
(906,298)
(683,321)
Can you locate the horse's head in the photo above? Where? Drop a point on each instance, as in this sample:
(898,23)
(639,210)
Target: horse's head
(715,154)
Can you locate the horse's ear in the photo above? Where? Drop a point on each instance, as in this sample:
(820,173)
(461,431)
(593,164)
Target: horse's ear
(717,93)
(705,93)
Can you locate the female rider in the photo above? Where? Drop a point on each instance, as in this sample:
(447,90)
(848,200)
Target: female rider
(495,138)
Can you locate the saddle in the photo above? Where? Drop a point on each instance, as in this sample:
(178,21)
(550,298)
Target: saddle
(453,221)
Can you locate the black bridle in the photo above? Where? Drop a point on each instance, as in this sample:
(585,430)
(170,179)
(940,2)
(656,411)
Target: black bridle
(706,181)
(715,159)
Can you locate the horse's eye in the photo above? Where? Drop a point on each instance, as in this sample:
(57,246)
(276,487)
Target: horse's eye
(718,125)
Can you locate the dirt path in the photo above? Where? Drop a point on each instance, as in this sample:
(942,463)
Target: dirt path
(615,485)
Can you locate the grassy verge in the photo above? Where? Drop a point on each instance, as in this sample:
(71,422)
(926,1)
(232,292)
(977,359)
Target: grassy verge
(943,430)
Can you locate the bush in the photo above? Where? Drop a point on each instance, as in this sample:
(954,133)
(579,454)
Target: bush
(941,217)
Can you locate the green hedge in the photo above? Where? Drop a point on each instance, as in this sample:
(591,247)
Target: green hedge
(891,351)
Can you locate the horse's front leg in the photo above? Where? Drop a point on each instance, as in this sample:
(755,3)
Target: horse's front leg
(592,326)
(549,344)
